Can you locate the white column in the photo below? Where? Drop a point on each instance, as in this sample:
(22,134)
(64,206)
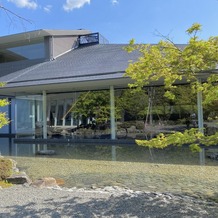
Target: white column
(38,118)
(200,112)
(64,112)
(56,114)
(113,153)
(80,120)
(112,113)
(33,122)
(33,114)
(34,149)
(16,115)
(200,124)
(71,119)
(44,114)
(48,106)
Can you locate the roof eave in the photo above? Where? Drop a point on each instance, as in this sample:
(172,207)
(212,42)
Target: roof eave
(36,34)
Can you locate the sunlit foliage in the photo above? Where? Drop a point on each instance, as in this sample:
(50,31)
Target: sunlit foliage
(169,64)
(3,116)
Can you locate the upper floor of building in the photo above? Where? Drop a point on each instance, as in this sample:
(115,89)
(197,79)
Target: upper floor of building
(44,44)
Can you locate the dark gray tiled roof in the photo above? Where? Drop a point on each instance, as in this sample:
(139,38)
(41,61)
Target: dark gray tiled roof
(95,62)
(11,67)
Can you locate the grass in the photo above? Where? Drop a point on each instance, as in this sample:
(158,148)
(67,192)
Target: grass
(5,184)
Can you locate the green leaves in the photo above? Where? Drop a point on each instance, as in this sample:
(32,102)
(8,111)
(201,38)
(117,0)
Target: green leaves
(167,63)
(134,103)
(3,102)
(190,137)
(194,28)
(3,119)
(93,104)
(3,116)
(2,84)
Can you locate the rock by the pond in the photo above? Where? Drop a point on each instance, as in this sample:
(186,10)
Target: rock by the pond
(131,129)
(19,178)
(45,182)
(59,181)
(46,152)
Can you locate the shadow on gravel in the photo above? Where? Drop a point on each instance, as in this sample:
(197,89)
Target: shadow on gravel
(137,205)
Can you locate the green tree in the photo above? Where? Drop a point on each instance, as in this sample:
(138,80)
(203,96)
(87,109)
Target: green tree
(133,103)
(95,104)
(171,64)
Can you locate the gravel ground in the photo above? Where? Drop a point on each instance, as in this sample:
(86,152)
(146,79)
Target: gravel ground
(27,201)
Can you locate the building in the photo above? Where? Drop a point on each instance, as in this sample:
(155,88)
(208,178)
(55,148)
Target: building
(44,70)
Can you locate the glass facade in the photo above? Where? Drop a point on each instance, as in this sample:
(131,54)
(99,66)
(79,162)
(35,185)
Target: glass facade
(28,115)
(87,114)
(25,52)
(59,114)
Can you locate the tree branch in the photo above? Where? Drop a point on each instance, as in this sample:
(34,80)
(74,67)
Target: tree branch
(167,38)
(7,11)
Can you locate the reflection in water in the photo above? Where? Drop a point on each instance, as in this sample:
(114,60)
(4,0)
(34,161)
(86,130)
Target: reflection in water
(113,153)
(127,153)
(6,146)
(202,156)
(173,169)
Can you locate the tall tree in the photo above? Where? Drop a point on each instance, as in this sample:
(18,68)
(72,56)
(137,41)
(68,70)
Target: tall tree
(194,63)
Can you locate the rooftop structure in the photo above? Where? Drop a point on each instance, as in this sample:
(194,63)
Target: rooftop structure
(62,58)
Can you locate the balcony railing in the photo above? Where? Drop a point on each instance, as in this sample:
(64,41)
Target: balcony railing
(93,38)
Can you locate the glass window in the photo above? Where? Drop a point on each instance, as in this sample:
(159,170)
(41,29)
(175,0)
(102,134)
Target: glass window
(60,115)
(31,52)
(28,114)
(68,117)
(25,52)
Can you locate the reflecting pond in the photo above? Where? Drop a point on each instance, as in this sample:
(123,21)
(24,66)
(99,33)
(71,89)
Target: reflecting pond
(175,169)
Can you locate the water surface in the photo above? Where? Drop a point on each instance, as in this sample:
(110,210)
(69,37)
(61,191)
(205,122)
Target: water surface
(176,169)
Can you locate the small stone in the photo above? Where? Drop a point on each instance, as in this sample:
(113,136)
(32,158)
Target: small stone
(108,189)
(60,181)
(93,187)
(45,182)
(19,178)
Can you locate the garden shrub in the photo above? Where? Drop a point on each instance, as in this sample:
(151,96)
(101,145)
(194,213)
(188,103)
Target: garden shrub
(5,168)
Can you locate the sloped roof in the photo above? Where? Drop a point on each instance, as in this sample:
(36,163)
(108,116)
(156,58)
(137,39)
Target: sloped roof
(9,67)
(90,63)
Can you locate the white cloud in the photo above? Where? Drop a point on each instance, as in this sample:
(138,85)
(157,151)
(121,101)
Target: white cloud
(114,2)
(47,8)
(24,3)
(72,4)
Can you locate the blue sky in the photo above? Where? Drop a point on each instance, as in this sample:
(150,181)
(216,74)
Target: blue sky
(117,20)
